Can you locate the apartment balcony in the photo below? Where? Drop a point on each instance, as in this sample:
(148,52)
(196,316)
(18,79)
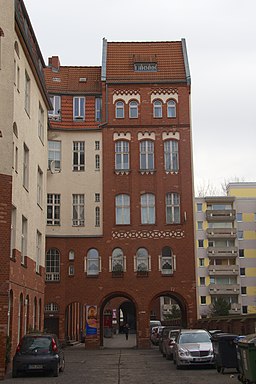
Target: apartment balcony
(220,215)
(235,309)
(214,252)
(224,289)
(221,233)
(223,270)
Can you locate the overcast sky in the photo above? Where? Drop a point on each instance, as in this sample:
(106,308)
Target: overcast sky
(221,44)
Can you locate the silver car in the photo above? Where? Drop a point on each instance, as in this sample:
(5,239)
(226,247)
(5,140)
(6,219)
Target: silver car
(193,347)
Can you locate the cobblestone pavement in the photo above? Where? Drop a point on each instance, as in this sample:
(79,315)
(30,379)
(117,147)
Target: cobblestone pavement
(121,363)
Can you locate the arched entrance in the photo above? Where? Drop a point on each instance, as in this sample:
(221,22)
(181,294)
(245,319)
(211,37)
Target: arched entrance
(116,310)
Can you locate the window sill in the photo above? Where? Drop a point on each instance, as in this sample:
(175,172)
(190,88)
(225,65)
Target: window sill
(142,273)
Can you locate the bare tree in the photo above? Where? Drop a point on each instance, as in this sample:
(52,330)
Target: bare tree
(225,183)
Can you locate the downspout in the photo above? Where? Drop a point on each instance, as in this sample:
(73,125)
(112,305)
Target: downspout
(104,74)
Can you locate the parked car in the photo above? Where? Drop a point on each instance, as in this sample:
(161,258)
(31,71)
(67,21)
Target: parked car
(155,334)
(38,353)
(154,323)
(168,343)
(193,347)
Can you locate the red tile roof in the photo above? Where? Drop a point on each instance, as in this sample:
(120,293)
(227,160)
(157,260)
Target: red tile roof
(121,57)
(70,80)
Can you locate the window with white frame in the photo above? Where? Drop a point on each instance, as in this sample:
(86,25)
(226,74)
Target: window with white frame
(147,155)
(51,307)
(55,114)
(98,106)
(122,209)
(92,262)
(78,156)
(97,145)
(52,265)
(97,216)
(38,250)
(171,155)
(13,230)
(41,123)
(97,162)
(239,216)
(97,197)
(54,154)
(71,270)
(39,186)
(157,109)
(142,260)
(172,208)
(171,108)
(119,107)
(78,210)
(240,235)
(166,261)
(202,281)
(25,167)
(24,238)
(117,261)
(71,255)
(133,109)
(79,108)
(27,92)
(122,155)
(147,202)
(53,209)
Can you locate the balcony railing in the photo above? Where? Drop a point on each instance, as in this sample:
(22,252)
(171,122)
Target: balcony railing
(221,233)
(222,252)
(52,276)
(220,215)
(223,270)
(224,289)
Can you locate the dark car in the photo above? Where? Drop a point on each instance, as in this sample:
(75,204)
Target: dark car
(38,353)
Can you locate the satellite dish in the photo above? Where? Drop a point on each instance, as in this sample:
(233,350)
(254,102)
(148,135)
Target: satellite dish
(52,167)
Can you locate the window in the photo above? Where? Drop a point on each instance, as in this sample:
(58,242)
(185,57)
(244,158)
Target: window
(171,156)
(199,225)
(51,307)
(52,265)
(147,155)
(78,156)
(13,230)
(133,109)
(119,110)
(55,114)
(78,210)
(117,260)
(240,235)
(54,154)
(171,108)
(172,208)
(25,166)
(199,207)
(241,252)
(71,255)
(243,290)
(122,209)
(38,250)
(157,109)
(200,243)
(166,261)
(98,106)
(142,260)
(244,309)
(41,123)
(202,281)
(97,217)
(97,162)
(147,202)
(24,239)
(78,108)
(39,186)
(71,270)
(27,93)
(242,271)
(239,217)
(53,209)
(202,300)
(122,155)
(92,262)
(201,262)
(97,197)
(97,145)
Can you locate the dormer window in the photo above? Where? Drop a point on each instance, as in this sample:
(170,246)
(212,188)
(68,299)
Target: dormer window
(78,108)
(56,103)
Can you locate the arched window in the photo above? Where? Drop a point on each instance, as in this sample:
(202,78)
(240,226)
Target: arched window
(157,109)
(26,323)
(172,208)
(123,209)
(147,155)
(92,264)
(133,109)
(122,155)
(147,201)
(166,261)
(142,261)
(171,155)
(171,108)
(52,265)
(119,109)
(117,261)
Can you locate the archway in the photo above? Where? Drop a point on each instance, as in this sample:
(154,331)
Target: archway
(117,309)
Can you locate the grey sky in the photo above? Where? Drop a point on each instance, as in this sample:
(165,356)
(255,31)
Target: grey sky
(221,44)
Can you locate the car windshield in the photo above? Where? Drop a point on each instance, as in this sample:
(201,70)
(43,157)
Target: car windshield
(201,337)
(36,344)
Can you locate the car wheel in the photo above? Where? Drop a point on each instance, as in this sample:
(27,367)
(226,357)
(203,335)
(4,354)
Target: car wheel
(62,365)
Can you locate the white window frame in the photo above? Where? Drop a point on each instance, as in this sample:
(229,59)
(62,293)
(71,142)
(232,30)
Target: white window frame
(123,209)
(98,108)
(119,109)
(24,238)
(41,123)
(53,208)
(157,109)
(54,154)
(97,216)
(172,201)
(117,261)
(166,258)
(92,265)
(142,260)
(52,265)
(78,206)
(122,158)
(171,109)
(79,108)
(39,186)
(27,92)
(13,230)
(55,114)
(78,155)
(133,109)
(171,155)
(97,162)
(148,208)
(25,167)
(38,250)
(147,155)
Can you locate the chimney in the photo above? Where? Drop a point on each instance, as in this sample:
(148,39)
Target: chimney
(54,62)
